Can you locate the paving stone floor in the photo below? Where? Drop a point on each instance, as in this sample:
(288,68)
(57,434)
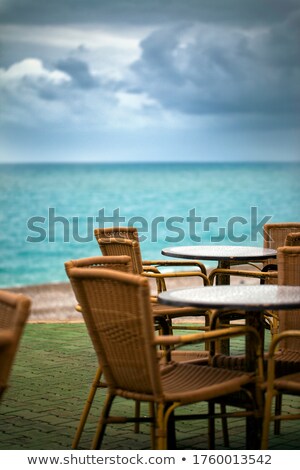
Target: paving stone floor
(49,384)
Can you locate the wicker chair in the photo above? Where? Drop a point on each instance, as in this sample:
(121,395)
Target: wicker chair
(276,387)
(14,311)
(275,236)
(124,241)
(286,360)
(119,263)
(139,265)
(118,315)
(124,264)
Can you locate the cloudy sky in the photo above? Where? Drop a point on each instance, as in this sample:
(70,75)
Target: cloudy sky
(149,80)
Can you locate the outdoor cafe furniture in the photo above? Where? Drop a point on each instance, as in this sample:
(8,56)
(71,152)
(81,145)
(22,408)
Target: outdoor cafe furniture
(120,263)
(225,255)
(124,264)
(119,318)
(275,235)
(14,312)
(287,359)
(251,299)
(288,384)
(139,264)
(124,241)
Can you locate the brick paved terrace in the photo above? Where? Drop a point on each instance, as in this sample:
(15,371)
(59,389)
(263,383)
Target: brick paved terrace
(48,387)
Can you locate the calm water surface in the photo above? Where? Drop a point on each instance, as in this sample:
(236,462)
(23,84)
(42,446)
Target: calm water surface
(157,198)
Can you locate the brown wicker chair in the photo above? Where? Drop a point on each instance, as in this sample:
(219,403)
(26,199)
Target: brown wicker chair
(14,311)
(288,274)
(118,315)
(276,387)
(275,236)
(124,241)
(286,360)
(124,264)
(119,263)
(139,264)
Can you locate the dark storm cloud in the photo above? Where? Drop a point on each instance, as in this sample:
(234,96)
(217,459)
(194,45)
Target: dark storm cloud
(145,11)
(220,67)
(79,71)
(196,70)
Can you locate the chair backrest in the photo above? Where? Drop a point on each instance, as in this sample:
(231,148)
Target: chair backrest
(119,263)
(14,312)
(117,232)
(276,233)
(275,236)
(293,239)
(117,312)
(289,274)
(117,241)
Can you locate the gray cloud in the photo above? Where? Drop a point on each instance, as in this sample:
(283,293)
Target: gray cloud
(145,11)
(196,69)
(79,71)
(221,68)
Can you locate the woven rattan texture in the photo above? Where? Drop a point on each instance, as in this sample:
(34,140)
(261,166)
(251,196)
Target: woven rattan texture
(14,312)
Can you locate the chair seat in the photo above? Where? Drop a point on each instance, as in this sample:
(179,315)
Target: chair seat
(189,383)
(159,309)
(186,383)
(290,383)
(287,361)
(189,356)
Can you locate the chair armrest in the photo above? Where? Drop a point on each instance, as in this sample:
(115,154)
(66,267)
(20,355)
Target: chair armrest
(177,274)
(150,269)
(198,264)
(280,337)
(208,336)
(272,354)
(243,273)
(6,338)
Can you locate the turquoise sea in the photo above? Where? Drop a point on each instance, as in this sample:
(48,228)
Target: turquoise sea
(48,211)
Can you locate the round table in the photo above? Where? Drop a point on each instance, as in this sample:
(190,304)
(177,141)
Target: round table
(254,298)
(220,253)
(225,255)
(251,299)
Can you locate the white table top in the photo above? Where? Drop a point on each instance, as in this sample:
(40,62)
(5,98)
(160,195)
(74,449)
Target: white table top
(220,252)
(240,297)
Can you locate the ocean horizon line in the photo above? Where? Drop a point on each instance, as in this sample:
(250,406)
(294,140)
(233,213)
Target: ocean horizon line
(148,162)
